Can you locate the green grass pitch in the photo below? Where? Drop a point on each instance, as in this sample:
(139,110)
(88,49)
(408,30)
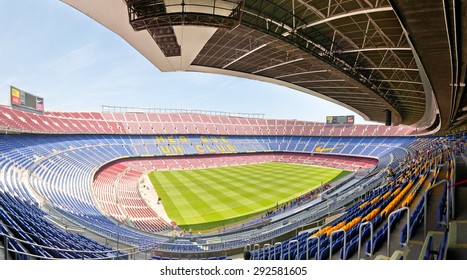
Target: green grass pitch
(207,198)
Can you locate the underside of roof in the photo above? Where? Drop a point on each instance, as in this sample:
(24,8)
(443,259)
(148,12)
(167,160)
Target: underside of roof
(370,56)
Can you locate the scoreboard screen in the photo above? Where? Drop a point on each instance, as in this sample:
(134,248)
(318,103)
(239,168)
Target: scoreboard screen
(26,101)
(340,119)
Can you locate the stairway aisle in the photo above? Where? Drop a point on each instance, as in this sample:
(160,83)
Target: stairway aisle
(457,250)
(461,190)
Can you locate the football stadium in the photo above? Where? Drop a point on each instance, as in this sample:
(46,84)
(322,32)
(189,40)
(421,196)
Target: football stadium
(138,183)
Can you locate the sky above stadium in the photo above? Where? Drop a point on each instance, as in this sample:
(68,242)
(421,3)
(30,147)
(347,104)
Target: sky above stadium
(51,50)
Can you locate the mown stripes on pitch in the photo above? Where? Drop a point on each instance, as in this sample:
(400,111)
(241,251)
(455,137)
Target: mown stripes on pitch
(203,196)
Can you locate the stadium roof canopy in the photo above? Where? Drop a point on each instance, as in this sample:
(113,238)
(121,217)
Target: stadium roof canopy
(370,56)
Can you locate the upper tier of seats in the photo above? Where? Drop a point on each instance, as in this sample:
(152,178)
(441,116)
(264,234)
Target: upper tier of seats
(179,123)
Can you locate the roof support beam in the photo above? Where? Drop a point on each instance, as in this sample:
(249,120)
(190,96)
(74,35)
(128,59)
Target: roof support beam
(344,93)
(414,103)
(278,65)
(350,99)
(387,68)
(401,89)
(409,97)
(301,73)
(400,81)
(374,49)
(344,15)
(335,87)
(318,81)
(243,56)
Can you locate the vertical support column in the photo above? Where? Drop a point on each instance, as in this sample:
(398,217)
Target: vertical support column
(388,118)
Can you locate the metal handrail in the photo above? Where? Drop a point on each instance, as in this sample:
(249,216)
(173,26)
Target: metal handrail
(389,225)
(330,241)
(275,245)
(290,246)
(308,245)
(267,246)
(6,239)
(425,203)
(453,193)
(256,248)
(360,238)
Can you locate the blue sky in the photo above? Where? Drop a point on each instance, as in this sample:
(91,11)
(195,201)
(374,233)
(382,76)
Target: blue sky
(51,50)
